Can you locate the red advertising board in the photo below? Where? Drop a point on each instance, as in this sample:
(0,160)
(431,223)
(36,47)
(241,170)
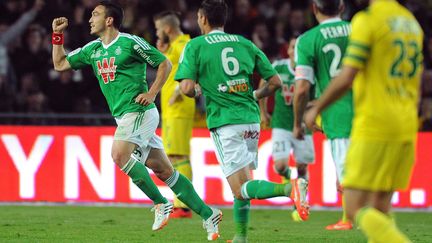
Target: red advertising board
(73,164)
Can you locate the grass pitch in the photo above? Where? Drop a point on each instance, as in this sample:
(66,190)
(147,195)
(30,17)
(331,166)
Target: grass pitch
(133,224)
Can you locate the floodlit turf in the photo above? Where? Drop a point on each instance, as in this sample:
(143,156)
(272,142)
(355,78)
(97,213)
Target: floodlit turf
(133,224)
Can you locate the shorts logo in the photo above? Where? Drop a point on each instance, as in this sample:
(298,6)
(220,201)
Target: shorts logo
(107,69)
(251,134)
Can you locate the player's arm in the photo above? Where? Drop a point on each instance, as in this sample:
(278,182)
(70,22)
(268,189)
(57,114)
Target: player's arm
(337,88)
(189,88)
(58,52)
(265,116)
(269,87)
(162,73)
(301,99)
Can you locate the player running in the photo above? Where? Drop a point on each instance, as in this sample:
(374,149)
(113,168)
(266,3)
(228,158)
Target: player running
(223,64)
(282,121)
(178,110)
(119,62)
(383,64)
(319,52)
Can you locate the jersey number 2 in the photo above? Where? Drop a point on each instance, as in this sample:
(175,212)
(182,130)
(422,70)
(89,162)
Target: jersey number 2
(334,65)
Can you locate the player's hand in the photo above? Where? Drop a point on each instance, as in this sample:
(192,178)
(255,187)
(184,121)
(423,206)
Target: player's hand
(145,99)
(198,91)
(161,46)
(175,97)
(265,119)
(310,118)
(59,24)
(38,5)
(298,132)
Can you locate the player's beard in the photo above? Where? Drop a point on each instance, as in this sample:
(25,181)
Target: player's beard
(165,39)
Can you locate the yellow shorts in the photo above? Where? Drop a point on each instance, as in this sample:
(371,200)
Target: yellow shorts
(379,165)
(176,135)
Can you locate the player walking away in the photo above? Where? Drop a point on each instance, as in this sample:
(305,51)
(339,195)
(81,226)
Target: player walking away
(319,52)
(222,64)
(119,63)
(282,121)
(383,64)
(178,110)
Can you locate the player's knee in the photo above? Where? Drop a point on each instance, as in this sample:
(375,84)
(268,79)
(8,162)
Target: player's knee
(237,195)
(280,167)
(120,158)
(302,170)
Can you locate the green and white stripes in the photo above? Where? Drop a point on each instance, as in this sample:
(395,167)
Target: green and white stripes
(218,144)
(129,165)
(172,180)
(138,121)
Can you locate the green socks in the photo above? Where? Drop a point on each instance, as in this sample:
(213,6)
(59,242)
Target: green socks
(140,176)
(241,216)
(260,189)
(184,191)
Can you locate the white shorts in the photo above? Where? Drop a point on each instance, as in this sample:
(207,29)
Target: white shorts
(236,146)
(339,149)
(283,141)
(139,128)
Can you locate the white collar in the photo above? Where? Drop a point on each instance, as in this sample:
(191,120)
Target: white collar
(331,20)
(112,42)
(216,31)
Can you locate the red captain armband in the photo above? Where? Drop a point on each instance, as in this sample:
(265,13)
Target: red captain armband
(57,39)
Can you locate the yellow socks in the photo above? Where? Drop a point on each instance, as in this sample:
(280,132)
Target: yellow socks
(378,227)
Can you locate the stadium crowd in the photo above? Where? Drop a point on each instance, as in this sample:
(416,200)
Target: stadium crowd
(29,85)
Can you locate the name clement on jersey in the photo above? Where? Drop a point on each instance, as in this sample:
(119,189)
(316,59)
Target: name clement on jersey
(213,39)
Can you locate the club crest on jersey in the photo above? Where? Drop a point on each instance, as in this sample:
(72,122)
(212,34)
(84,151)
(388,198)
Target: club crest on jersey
(118,50)
(107,69)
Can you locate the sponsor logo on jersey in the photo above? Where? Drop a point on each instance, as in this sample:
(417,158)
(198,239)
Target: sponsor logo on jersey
(222,88)
(141,52)
(237,85)
(234,86)
(107,69)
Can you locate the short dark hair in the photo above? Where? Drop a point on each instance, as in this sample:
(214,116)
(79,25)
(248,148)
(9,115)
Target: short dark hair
(216,12)
(169,17)
(328,7)
(114,10)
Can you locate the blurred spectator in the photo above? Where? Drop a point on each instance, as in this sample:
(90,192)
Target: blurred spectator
(8,34)
(32,56)
(426,115)
(267,22)
(62,93)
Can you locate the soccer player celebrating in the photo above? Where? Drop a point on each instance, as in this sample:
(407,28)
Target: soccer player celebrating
(119,63)
(223,64)
(177,109)
(383,64)
(282,121)
(318,56)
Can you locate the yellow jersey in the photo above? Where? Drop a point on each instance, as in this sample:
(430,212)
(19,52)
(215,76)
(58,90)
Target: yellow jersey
(386,45)
(186,107)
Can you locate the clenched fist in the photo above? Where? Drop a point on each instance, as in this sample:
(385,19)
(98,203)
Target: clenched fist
(59,24)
